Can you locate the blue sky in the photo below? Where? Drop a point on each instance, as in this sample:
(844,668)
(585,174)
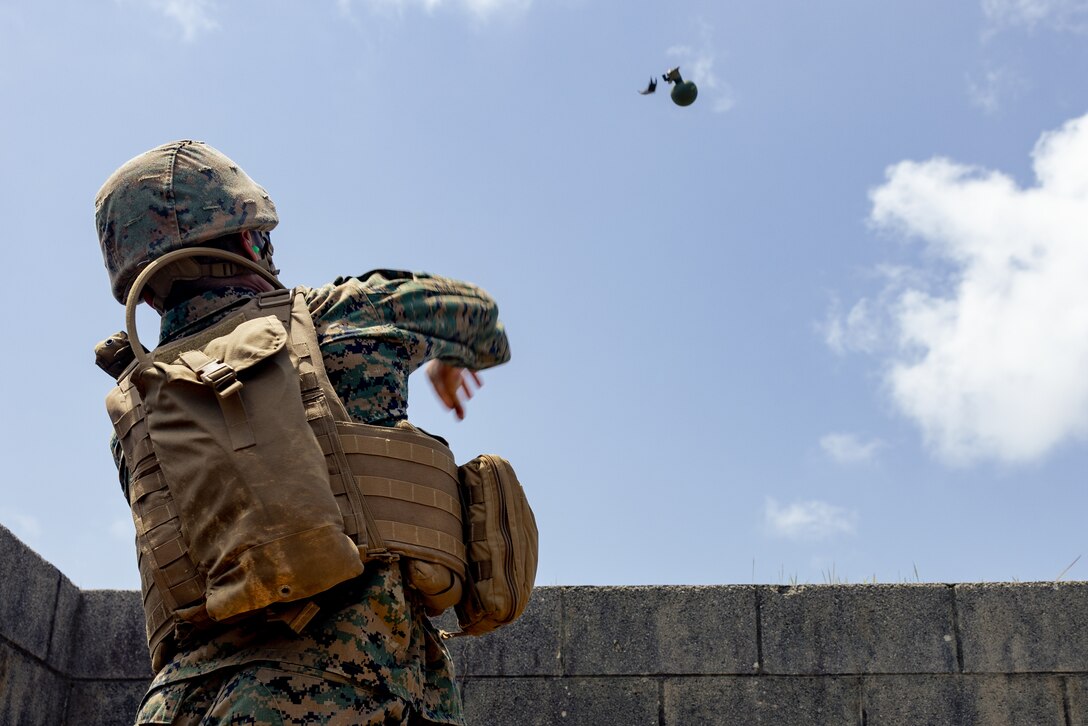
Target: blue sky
(826,324)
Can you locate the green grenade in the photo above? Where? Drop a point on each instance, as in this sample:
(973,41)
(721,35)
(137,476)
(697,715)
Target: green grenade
(683,92)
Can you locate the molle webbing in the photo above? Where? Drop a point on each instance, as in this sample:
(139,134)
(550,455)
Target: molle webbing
(409,483)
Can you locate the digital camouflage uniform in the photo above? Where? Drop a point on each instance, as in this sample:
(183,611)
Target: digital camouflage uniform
(370,653)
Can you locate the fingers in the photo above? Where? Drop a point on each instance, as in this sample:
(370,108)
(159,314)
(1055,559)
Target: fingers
(454,382)
(459,382)
(449,381)
(467,374)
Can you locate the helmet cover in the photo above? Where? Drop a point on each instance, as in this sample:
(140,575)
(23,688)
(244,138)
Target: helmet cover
(178,195)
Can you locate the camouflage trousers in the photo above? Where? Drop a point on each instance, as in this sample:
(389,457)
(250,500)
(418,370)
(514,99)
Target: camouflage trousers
(270,695)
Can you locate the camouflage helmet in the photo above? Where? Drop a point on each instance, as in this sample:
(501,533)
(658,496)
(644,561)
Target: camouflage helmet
(178,195)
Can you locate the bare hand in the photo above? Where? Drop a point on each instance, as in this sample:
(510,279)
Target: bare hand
(450,382)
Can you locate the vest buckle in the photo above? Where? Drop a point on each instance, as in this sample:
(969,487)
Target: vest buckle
(220,377)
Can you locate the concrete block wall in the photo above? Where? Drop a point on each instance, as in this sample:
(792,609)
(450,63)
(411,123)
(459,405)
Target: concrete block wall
(869,655)
(67,656)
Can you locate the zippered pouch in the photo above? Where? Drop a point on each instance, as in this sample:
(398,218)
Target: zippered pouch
(501,539)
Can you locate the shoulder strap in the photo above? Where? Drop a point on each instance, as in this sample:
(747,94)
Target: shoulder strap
(303,340)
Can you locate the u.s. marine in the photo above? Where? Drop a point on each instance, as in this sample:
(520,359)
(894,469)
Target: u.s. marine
(362,649)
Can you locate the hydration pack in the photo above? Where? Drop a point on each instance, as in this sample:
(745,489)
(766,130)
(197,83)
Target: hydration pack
(252,491)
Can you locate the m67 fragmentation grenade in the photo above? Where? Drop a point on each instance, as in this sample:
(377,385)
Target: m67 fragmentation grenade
(683,92)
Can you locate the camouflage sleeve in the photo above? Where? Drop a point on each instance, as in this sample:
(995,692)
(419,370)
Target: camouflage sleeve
(425,315)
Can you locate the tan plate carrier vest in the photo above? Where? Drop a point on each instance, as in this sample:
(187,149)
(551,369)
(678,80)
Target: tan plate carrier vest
(250,498)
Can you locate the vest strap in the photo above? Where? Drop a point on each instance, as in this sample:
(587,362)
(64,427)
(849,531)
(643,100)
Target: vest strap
(406,491)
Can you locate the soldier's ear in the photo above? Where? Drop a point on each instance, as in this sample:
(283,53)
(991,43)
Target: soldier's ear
(253,244)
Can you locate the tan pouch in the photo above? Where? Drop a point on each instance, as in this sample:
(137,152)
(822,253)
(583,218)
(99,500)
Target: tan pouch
(230,486)
(501,539)
(258,536)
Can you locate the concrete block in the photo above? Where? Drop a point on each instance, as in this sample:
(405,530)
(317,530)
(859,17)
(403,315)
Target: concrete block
(105,703)
(527,647)
(829,629)
(566,701)
(28,595)
(31,694)
(63,639)
(1076,699)
(109,640)
(659,630)
(963,700)
(763,701)
(1023,627)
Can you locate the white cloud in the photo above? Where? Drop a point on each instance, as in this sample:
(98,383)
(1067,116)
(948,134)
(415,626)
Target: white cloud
(807,520)
(857,331)
(194,16)
(1069,15)
(481,9)
(868,326)
(486,7)
(849,448)
(993,366)
(996,86)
